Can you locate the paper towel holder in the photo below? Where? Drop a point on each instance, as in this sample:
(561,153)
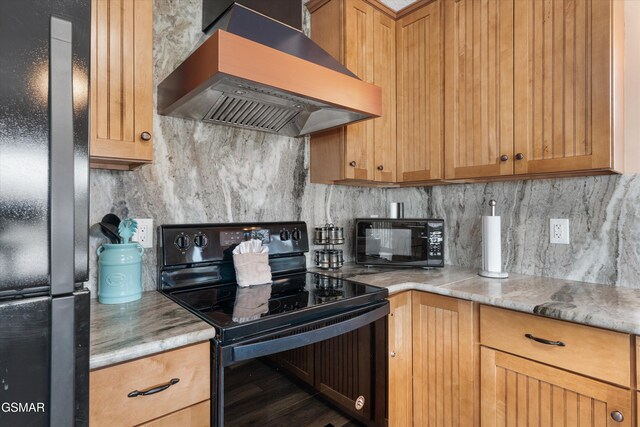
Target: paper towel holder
(485,272)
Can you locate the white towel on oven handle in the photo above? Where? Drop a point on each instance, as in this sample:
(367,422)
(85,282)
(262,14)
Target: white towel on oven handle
(251,261)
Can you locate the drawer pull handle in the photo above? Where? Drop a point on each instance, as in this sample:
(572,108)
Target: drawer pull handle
(154,390)
(543,341)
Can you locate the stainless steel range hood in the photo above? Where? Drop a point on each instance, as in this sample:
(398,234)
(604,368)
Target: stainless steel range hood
(253,72)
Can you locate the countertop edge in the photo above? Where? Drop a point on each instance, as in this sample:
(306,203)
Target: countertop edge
(149,349)
(565,315)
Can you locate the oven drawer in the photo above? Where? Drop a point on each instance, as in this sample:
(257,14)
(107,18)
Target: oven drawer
(110,387)
(594,352)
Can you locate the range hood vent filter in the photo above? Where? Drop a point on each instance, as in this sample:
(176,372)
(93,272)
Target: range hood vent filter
(253,72)
(249,113)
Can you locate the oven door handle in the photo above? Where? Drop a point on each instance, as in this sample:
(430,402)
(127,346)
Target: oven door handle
(277,345)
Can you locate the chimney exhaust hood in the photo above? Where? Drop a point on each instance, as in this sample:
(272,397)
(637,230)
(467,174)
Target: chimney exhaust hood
(251,71)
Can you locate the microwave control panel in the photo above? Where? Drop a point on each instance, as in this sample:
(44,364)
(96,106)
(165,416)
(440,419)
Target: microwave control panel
(435,242)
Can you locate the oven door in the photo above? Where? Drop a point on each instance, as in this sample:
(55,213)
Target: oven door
(330,372)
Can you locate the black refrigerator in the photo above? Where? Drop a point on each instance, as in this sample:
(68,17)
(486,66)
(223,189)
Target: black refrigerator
(44,201)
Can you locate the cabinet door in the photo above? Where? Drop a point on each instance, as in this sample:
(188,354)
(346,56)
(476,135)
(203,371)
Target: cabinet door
(400,357)
(479,88)
(384,70)
(298,362)
(520,392)
(563,85)
(121,83)
(443,361)
(344,366)
(419,98)
(358,58)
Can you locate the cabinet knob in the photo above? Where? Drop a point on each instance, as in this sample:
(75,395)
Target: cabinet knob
(504,158)
(617,416)
(519,156)
(359,403)
(352,163)
(392,354)
(145,136)
(380,167)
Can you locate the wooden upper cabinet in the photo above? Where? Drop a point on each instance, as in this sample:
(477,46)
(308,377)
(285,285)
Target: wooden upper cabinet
(419,99)
(479,88)
(523,393)
(563,86)
(121,83)
(384,75)
(363,39)
(358,58)
(444,359)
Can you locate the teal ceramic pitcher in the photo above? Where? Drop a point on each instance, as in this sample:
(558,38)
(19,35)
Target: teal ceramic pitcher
(119,273)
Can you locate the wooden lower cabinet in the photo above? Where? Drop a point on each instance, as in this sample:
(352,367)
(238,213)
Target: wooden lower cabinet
(110,388)
(520,392)
(400,408)
(198,415)
(443,361)
(432,363)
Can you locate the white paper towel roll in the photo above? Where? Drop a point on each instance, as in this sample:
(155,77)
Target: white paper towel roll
(491,247)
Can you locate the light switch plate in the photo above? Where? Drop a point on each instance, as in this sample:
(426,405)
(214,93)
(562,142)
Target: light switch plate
(559,231)
(144,233)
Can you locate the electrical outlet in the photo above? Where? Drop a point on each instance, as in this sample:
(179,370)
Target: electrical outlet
(144,233)
(559,231)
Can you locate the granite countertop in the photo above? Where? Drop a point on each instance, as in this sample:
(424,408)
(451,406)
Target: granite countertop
(153,324)
(611,307)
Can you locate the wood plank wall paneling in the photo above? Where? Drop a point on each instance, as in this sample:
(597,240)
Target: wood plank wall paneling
(419,95)
(478,88)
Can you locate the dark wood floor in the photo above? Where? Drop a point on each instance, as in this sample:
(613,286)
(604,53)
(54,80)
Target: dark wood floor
(257,395)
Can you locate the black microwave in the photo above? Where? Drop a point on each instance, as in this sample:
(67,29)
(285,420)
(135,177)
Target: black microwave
(400,242)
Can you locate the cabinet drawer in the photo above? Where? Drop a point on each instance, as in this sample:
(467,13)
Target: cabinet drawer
(194,416)
(595,352)
(110,387)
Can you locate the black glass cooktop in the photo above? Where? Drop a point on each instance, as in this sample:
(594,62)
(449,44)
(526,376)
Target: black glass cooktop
(294,299)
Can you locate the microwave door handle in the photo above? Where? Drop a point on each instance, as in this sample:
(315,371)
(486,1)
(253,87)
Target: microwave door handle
(264,348)
(62,195)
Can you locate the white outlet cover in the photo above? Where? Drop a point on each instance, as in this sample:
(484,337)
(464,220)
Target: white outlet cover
(144,233)
(559,231)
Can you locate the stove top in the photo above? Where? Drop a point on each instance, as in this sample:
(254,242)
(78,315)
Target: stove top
(238,312)
(195,269)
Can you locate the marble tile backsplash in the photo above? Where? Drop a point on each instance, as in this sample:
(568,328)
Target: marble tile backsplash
(210,173)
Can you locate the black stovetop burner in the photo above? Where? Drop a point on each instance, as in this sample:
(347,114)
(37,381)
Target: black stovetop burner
(196,270)
(290,300)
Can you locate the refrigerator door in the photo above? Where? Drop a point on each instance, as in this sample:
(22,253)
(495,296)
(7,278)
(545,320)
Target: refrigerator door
(44,361)
(25,143)
(24,369)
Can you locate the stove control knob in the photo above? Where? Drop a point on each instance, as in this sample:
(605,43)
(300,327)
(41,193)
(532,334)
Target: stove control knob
(200,240)
(285,235)
(296,234)
(182,242)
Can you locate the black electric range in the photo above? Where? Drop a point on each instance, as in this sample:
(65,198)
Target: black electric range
(285,335)
(196,270)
